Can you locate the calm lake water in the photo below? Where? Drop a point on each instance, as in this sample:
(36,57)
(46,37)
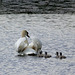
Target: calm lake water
(57,33)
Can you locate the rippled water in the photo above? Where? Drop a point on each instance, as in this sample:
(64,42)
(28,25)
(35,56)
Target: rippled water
(57,33)
(37,6)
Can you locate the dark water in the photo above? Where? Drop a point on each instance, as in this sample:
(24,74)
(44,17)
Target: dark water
(37,6)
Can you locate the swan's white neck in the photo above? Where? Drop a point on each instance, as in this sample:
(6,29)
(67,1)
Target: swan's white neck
(26,41)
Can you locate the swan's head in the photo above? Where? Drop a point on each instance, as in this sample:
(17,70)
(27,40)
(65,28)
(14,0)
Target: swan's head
(25,33)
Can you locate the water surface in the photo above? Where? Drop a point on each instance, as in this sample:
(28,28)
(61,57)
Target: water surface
(57,33)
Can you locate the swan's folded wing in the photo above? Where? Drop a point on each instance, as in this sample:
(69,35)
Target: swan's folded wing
(20,44)
(29,51)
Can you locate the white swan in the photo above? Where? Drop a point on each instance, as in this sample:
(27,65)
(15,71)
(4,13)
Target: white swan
(36,44)
(23,47)
(22,44)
